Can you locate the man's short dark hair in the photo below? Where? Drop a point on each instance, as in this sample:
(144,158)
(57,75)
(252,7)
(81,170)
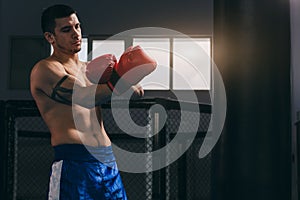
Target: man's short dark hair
(54,12)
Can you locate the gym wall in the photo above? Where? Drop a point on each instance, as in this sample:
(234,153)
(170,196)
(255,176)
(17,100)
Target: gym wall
(99,18)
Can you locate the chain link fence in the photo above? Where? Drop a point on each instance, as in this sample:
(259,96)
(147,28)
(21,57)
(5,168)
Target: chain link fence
(29,154)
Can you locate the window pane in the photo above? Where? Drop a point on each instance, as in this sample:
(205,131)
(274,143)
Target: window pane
(159,49)
(192,64)
(100,47)
(83,53)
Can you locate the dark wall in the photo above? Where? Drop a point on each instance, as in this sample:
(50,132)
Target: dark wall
(252,51)
(100,17)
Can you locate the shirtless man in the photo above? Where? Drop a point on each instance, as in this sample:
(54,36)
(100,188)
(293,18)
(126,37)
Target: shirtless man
(60,88)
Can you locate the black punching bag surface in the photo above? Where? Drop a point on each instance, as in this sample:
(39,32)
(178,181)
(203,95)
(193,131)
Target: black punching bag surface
(252,160)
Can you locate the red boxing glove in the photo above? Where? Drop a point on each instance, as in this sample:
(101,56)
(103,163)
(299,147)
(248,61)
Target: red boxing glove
(132,67)
(99,70)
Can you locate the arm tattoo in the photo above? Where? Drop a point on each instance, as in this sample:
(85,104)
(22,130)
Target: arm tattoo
(62,94)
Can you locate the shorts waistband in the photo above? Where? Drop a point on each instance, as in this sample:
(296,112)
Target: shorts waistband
(80,152)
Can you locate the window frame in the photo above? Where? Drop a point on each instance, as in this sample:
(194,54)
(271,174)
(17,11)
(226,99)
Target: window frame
(128,41)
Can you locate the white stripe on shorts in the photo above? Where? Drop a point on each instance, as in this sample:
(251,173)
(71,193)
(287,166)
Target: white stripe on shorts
(54,185)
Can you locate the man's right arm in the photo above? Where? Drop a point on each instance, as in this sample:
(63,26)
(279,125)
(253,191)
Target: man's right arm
(46,77)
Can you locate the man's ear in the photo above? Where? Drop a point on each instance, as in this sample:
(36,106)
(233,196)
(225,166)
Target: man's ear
(49,37)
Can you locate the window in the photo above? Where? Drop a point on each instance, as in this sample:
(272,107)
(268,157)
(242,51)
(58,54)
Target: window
(183,63)
(158,48)
(191,64)
(100,47)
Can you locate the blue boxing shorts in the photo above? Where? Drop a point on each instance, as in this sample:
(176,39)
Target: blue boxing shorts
(84,172)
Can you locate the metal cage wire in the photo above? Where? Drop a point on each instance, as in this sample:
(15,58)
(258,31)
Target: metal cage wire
(30,154)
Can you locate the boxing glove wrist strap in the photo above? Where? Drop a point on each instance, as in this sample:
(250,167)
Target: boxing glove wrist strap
(115,79)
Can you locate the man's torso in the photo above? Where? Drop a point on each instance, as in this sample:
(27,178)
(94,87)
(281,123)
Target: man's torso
(71,123)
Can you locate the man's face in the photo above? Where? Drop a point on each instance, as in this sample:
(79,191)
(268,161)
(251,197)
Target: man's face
(67,37)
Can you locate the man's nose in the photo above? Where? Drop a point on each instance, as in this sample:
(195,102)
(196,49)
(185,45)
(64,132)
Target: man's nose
(76,32)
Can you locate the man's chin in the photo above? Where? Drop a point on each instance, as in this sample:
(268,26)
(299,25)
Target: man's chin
(76,50)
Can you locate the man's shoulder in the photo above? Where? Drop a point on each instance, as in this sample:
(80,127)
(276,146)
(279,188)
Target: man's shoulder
(46,66)
(44,75)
